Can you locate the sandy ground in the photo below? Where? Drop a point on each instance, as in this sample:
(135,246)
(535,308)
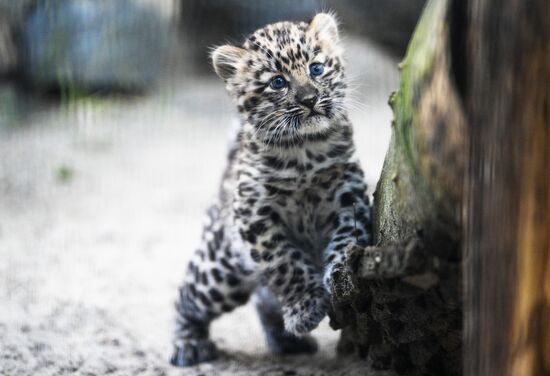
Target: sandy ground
(101,203)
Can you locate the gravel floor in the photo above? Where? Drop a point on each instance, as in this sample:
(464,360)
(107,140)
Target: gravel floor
(101,203)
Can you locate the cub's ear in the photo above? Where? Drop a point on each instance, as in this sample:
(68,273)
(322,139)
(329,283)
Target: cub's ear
(325,26)
(225,60)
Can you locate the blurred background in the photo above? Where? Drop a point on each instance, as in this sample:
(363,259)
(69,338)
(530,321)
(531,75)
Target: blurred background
(113,137)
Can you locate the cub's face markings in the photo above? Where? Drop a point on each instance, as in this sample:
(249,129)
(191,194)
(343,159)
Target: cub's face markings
(268,74)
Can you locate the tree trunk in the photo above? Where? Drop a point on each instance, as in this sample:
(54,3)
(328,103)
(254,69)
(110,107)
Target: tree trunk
(507,244)
(466,169)
(402,297)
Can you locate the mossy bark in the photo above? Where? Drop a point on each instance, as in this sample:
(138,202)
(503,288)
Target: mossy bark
(401,300)
(466,170)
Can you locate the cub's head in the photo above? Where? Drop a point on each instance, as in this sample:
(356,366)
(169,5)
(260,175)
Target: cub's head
(287,79)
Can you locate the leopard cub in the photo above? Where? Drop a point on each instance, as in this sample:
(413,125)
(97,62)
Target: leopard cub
(292,196)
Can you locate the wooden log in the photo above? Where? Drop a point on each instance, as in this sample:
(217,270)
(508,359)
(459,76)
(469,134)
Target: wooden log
(401,300)
(507,253)
(468,168)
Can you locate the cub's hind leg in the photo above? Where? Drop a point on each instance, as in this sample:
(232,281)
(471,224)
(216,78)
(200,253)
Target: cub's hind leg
(216,281)
(278,339)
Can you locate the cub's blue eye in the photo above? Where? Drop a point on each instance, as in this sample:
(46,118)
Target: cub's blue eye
(278,83)
(316,69)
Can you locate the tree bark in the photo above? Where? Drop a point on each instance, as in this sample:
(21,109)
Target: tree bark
(507,244)
(467,169)
(402,297)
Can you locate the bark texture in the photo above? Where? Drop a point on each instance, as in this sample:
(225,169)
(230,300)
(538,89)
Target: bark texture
(467,169)
(507,253)
(401,301)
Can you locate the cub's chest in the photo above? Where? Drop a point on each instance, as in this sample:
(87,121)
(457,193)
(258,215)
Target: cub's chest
(305,217)
(314,203)
(306,209)
(311,191)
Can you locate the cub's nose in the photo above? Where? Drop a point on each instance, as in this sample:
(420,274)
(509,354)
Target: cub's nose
(307,96)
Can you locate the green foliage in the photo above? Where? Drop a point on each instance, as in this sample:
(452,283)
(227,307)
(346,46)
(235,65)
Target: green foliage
(64,174)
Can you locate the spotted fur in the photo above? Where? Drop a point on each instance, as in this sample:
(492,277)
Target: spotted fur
(292,197)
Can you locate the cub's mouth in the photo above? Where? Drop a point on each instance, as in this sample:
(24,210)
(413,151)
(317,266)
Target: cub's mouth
(312,118)
(314,122)
(314,113)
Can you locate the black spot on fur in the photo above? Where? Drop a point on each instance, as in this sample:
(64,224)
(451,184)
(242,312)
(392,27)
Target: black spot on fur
(227,265)
(255,255)
(346,199)
(275,217)
(264,210)
(217,275)
(204,300)
(215,295)
(232,280)
(267,256)
(337,150)
(239,297)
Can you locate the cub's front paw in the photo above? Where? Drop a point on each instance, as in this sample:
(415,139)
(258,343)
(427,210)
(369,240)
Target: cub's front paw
(305,314)
(192,352)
